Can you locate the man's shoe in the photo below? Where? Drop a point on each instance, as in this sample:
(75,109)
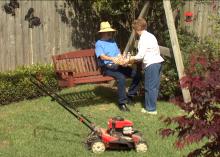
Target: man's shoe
(148,112)
(123,107)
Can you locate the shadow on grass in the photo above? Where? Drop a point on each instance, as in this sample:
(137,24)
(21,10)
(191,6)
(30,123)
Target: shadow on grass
(100,95)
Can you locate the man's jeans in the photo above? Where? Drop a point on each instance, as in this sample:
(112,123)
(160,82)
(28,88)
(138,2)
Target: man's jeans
(151,85)
(120,75)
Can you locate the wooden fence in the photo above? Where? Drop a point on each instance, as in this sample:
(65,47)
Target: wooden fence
(201,11)
(21,45)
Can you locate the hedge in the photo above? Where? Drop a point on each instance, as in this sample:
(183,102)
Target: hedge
(16,86)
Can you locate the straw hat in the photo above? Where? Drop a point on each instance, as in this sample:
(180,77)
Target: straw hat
(105,27)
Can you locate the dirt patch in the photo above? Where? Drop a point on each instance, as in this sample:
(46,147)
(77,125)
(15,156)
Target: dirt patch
(4,144)
(4,115)
(103,107)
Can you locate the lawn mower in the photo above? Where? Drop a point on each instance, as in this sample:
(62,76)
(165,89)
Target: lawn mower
(119,135)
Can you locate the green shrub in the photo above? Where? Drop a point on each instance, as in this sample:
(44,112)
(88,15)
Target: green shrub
(169,81)
(189,45)
(16,85)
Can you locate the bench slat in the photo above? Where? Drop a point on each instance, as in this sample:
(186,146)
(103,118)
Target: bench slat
(78,67)
(76,54)
(86,65)
(73,82)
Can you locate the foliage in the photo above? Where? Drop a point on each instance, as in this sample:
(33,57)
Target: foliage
(203,120)
(120,14)
(212,42)
(15,85)
(169,81)
(84,17)
(157,23)
(187,41)
(189,44)
(80,16)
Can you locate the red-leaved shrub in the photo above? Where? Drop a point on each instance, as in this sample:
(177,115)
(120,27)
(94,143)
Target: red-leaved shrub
(203,112)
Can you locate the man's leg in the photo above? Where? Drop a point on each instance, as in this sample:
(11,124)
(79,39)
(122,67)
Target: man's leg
(136,77)
(151,85)
(121,80)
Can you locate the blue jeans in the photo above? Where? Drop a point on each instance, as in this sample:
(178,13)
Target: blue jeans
(151,85)
(120,75)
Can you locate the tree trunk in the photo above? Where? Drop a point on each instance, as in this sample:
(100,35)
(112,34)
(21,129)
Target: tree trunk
(130,43)
(164,50)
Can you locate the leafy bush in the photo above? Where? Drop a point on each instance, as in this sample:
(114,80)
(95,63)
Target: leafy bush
(169,81)
(203,112)
(203,119)
(15,85)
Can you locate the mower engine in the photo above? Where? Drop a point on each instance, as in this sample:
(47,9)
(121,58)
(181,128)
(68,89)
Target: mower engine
(119,135)
(119,126)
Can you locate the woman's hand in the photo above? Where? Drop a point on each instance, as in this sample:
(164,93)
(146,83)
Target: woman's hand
(116,60)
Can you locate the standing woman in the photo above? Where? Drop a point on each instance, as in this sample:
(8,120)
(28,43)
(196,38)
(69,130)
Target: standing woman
(149,54)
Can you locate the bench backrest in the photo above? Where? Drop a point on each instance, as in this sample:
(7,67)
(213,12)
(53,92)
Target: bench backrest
(78,63)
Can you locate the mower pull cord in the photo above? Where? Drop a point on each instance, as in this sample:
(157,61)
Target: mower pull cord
(62,102)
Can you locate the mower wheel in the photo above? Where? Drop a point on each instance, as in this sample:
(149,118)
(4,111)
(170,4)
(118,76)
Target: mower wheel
(141,147)
(98,147)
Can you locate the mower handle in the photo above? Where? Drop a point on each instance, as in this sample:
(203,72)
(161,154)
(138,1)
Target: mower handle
(62,102)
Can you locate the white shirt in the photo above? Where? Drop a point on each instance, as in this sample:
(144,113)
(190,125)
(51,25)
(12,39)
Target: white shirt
(148,49)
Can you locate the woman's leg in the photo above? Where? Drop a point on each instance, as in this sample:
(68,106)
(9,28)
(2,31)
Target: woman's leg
(151,85)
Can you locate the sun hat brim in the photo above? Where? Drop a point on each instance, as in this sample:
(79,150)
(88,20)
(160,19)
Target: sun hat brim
(107,30)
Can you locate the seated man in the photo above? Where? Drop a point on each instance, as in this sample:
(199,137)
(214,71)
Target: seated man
(110,57)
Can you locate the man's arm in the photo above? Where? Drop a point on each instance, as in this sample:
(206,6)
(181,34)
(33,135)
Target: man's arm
(113,59)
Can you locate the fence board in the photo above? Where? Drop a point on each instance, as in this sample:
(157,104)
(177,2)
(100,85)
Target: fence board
(201,11)
(18,39)
(35,33)
(41,39)
(26,33)
(50,33)
(57,25)
(46,30)
(7,39)
(21,45)
(2,44)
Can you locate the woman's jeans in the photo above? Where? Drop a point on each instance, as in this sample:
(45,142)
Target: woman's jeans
(151,85)
(120,73)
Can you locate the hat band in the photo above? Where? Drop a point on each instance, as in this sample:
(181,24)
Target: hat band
(106,28)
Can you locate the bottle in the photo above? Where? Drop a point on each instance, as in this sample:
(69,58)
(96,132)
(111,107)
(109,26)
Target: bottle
(128,55)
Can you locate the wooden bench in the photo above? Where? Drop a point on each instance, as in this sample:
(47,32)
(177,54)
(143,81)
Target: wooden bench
(78,67)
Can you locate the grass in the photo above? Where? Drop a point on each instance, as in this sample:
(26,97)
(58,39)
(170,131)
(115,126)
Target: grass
(41,128)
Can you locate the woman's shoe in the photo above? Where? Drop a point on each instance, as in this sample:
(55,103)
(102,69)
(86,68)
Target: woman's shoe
(148,112)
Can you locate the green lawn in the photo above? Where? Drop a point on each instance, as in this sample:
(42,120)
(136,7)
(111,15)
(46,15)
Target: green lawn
(41,128)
